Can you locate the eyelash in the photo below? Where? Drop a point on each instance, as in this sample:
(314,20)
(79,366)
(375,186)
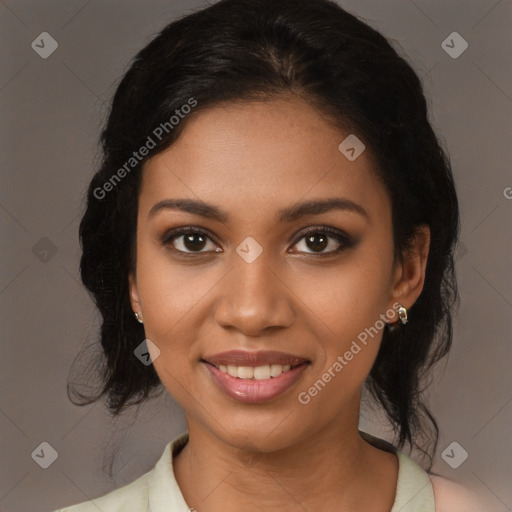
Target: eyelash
(344,240)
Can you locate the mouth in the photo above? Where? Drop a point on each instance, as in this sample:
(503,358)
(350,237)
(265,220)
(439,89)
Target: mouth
(255,377)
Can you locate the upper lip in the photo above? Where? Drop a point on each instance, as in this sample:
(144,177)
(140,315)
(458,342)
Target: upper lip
(259,358)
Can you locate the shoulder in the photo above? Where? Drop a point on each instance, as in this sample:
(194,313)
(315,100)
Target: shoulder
(133,497)
(451,496)
(153,488)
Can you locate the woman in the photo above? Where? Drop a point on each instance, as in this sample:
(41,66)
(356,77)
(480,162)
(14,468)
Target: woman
(270,233)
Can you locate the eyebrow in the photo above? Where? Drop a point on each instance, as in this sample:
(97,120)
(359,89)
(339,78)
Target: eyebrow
(289,214)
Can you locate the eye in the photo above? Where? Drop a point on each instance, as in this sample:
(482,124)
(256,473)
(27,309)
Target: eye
(190,240)
(323,241)
(318,241)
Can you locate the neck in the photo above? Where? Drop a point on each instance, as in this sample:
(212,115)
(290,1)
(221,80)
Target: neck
(333,465)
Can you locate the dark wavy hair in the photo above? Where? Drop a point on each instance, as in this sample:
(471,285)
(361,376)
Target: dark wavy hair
(245,50)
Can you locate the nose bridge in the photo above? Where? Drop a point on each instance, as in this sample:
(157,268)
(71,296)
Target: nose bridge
(252,298)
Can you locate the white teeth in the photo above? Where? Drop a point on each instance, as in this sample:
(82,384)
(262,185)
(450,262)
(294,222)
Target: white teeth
(245,372)
(262,372)
(233,371)
(258,372)
(276,370)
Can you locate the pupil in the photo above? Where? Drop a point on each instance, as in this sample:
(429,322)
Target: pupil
(317,242)
(194,241)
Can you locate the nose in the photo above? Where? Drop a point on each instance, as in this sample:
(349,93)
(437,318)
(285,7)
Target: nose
(253,298)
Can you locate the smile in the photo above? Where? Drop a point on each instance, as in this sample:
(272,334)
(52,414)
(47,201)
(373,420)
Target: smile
(255,377)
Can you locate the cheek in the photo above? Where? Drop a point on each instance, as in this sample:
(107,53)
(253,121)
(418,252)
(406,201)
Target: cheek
(169,298)
(347,299)
(169,291)
(169,302)
(344,311)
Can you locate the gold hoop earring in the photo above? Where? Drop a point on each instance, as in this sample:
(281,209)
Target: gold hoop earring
(139,318)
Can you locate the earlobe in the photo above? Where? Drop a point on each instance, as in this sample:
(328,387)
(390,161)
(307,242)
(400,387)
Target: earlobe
(409,275)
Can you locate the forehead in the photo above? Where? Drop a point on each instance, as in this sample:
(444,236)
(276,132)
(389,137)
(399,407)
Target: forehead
(261,155)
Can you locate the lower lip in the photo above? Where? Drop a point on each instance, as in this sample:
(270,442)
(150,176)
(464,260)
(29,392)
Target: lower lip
(252,391)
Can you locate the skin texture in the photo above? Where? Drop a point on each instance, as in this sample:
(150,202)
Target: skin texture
(450,496)
(251,160)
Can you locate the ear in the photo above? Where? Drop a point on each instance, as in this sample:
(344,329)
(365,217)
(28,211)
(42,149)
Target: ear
(409,271)
(134,293)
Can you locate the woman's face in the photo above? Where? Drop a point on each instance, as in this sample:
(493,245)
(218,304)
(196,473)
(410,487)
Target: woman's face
(259,273)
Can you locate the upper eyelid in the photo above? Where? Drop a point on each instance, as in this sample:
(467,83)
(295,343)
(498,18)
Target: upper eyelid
(171,234)
(334,232)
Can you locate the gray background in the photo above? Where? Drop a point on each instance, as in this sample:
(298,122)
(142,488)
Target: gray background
(52,110)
